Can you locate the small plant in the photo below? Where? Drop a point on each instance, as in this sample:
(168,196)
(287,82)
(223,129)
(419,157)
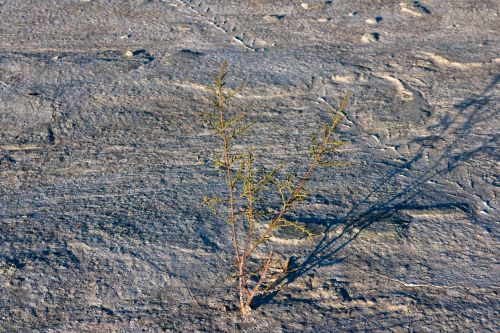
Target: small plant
(252,222)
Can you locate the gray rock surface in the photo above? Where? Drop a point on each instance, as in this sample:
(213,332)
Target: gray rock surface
(103,163)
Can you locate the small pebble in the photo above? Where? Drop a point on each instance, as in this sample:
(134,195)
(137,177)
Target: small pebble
(370,37)
(274,18)
(316,6)
(374,20)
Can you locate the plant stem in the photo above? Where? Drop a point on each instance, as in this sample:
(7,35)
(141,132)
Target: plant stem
(272,226)
(227,163)
(263,273)
(286,207)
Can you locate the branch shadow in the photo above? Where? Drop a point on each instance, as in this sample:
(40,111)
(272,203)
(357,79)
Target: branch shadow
(458,132)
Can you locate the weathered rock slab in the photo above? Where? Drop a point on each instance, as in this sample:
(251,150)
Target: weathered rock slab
(103,163)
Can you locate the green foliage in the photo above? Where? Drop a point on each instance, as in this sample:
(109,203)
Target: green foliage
(252,222)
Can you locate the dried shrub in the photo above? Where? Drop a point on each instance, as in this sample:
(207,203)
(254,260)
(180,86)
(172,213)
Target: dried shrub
(251,222)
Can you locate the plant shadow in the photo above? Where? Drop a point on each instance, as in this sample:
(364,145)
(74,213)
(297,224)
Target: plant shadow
(462,145)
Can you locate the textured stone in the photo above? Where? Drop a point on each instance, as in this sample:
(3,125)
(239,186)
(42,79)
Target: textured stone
(103,163)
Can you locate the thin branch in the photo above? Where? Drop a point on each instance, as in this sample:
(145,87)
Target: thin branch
(261,279)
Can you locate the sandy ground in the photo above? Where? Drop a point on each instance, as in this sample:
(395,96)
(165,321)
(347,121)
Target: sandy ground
(103,163)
